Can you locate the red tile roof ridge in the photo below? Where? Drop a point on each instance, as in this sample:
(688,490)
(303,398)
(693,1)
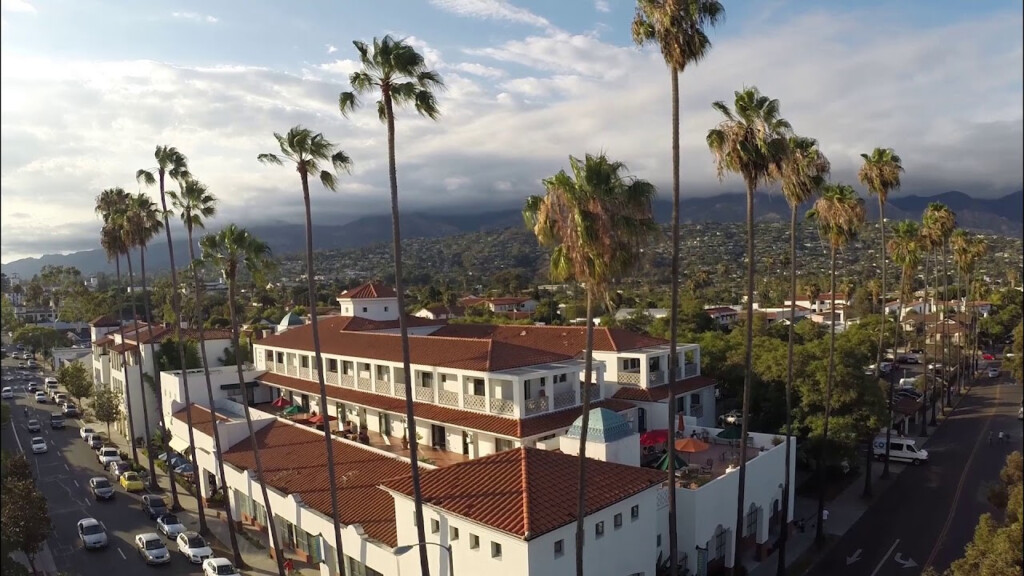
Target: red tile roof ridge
(524,471)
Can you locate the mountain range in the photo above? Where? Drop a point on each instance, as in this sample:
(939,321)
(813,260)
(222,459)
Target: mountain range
(1002,216)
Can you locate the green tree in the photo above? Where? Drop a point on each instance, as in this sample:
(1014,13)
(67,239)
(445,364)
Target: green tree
(16,468)
(937,225)
(595,220)
(752,141)
(1016,362)
(839,214)
(75,378)
(26,522)
(230,250)
(399,74)
(169,357)
(40,339)
(8,319)
(106,406)
(678,28)
(905,249)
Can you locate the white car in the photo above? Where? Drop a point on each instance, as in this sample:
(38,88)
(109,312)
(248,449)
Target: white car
(107,455)
(169,525)
(194,547)
(993,372)
(732,417)
(219,567)
(92,533)
(85,431)
(39,445)
(7,393)
(41,397)
(152,549)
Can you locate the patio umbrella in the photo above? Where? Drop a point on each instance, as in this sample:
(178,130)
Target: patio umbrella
(319,419)
(691,445)
(293,409)
(730,433)
(663,463)
(681,424)
(653,437)
(281,402)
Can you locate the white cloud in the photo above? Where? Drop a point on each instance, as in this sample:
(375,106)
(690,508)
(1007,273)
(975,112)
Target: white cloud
(947,99)
(17,6)
(331,48)
(602,6)
(195,17)
(492,10)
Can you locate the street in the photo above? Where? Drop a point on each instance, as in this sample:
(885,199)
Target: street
(63,475)
(929,513)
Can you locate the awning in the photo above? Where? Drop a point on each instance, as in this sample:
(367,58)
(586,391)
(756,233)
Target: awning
(178,444)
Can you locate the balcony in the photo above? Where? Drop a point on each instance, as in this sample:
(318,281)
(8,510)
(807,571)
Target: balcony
(424,394)
(364,384)
(502,406)
(382,386)
(690,370)
(565,399)
(292,370)
(346,381)
(656,377)
(630,377)
(537,405)
(448,398)
(331,377)
(697,410)
(474,402)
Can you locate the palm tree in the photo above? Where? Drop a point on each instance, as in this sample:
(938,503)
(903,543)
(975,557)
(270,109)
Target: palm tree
(679,30)
(839,214)
(195,204)
(399,74)
(227,251)
(596,220)
(945,224)
(803,174)
(309,151)
(140,224)
(906,250)
(110,205)
(172,163)
(959,242)
(977,249)
(751,141)
(937,224)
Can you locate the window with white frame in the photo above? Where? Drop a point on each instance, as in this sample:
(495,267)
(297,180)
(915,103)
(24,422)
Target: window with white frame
(435,526)
(474,542)
(495,549)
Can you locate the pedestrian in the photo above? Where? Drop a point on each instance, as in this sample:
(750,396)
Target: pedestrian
(289,568)
(1002,437)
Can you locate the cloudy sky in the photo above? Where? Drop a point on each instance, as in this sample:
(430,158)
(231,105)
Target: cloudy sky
(89,87)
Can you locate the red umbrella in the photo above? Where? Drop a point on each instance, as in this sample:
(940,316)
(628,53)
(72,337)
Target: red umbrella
(281,402)
(681,425)
(319,419)
(653,437)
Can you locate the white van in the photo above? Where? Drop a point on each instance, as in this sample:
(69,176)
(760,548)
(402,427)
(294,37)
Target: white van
(900,450)
(51,383)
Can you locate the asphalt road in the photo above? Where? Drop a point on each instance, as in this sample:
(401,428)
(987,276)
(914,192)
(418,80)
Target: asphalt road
(63,475)
(929,513)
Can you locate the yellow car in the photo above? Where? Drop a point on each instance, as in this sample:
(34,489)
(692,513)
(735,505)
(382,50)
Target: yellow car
(131,482)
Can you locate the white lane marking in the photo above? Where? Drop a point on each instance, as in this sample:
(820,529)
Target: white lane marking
(18,440)
(123,557)
(886,557)
(77,485)
(66,466)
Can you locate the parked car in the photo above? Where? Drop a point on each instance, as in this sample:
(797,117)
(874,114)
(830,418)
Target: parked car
(154,506)
(169,525)
(993,372)
(69,410)
(1020,413)
(7,393)
(39,445)
(41,397)
(33,425)
(101,488)
(85,431)
(96,441)
(903,449)
(152,549)
(219,567)
(987,357)
(107,455)
(119,468)
(92,533)
(194,547)
(131,482)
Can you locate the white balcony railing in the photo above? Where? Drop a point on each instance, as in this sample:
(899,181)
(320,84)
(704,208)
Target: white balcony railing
(305,373)
(689,370)
(447,397)
(364,384)
(697,411)
(314,375)
(537,405)
(400,389)
(331,377)
(474,402)
(629,378)
(346,380)
(502,406)
(382,386)
(656,377)
(425,394)
(565,399)
(293,370)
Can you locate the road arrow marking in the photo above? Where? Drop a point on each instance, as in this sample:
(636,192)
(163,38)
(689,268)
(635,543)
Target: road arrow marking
(855,557)
(908,563)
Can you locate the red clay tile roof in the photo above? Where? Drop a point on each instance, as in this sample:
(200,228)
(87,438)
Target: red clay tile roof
(360,324)
(461,353)
(202,418)
(568,340)
(123,347)
(489,423)
(717,310)
(523,492)
(659,393)
(294,461)
(105,321)
(159,333)
(369,290)
(506,300)
(105,339)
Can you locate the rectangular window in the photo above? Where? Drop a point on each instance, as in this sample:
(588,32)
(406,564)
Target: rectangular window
(527,386)
(364,309)
(634,512)
(478,387)
(559,548)
(502,444)
(453,533)
(332,364)
(618,521)
(599,529)
(435,526)
(269,355)
(474,542)
(385,308)
(495,550)
(280,357)
(304,361)
(659,541)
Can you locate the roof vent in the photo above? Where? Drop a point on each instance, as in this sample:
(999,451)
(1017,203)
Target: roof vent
(523,333)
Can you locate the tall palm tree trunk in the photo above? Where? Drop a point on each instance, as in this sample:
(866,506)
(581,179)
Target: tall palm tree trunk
(261,478)
(945,299)
(581,491)
(819,534)
(142,383)
(318,360)
(673,358)
(219,456)
(175,503)
(928,374)
(176,305)
(410,417)
(881,332)
(748,361)
(123,357)
(784,535)
(892,377)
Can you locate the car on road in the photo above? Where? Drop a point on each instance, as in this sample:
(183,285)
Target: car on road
(96,441)
(194,547)
(57,421)
(169,525)
(131,482)
(92,533)
(154,506)
(107,455)
(85,431)
(1020,413)
(987,357)
(33,425)
(32,387)
(732,418)
(101,488)
(32,364)
(119,468)
(993,372)
(41,397)
(39,445)
(902,449)
(152,549)
(69,410)
(219,567)
(7,393)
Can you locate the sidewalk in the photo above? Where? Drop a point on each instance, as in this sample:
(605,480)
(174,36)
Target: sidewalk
(45,565)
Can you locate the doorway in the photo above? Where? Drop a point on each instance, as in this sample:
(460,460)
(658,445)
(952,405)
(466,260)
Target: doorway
(437,436)
(465,443)
(641,420)
(384,423)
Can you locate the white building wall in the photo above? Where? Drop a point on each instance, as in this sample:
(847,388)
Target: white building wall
(380,309)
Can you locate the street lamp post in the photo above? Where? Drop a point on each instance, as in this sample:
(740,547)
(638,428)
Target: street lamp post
(401,550)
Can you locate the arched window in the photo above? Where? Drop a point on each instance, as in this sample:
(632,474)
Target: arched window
(720,542)
(751,521)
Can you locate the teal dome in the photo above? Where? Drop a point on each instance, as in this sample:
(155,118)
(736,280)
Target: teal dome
(605,426)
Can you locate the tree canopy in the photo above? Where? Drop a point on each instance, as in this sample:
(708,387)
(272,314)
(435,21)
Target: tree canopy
(75,378)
